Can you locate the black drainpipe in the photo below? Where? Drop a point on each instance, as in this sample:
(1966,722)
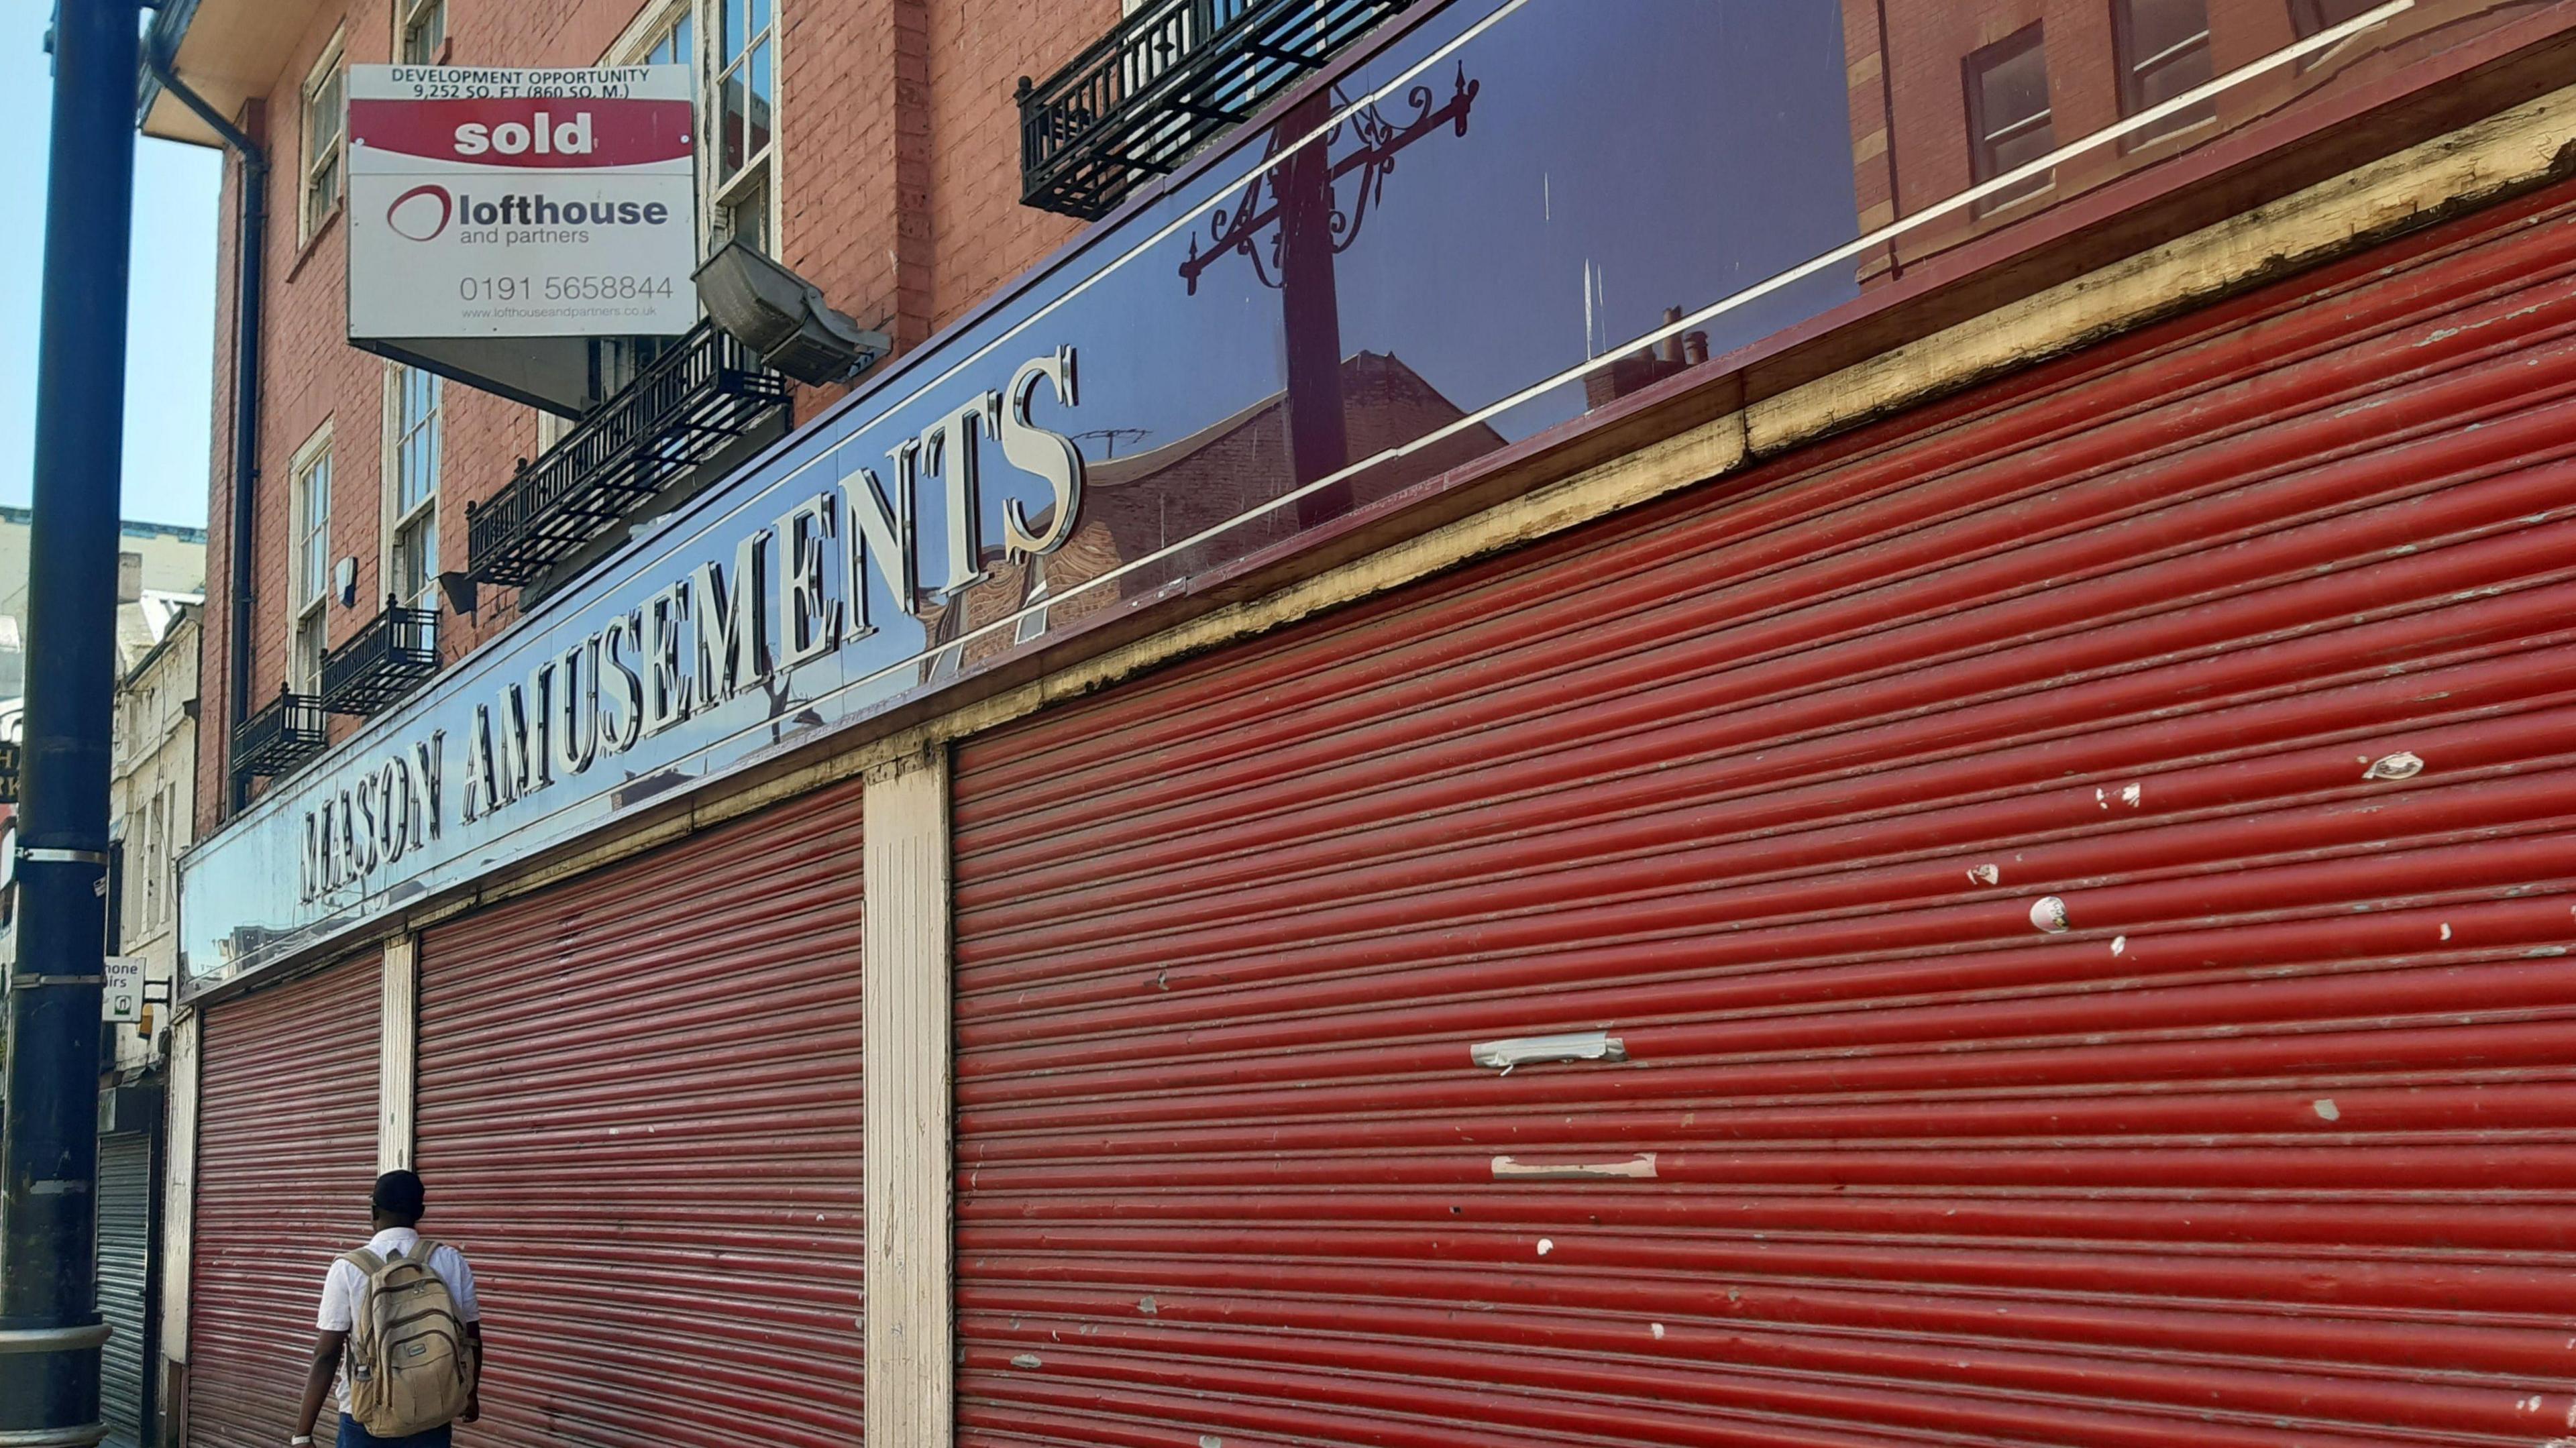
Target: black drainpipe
(252,242)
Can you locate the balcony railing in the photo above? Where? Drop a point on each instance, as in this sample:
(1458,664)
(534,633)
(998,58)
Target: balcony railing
(11,767)
(289,731)
(389,657)
(692,400)
(1169,79)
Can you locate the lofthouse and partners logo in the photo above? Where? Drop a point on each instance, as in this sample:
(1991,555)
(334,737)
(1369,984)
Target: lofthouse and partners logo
(424,212)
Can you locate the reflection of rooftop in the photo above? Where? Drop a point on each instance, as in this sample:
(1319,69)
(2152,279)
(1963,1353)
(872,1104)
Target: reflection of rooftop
(1138,505)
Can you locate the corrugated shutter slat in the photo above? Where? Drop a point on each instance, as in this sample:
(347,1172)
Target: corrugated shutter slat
(124,1275)
(640,1100)
(2273,1145)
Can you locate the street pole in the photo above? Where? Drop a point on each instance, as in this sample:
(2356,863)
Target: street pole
(50,1331)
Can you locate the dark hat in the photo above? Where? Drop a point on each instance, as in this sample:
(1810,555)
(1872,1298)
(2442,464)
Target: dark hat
(398,1192)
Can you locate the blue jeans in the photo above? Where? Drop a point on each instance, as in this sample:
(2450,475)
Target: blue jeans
(353,1436)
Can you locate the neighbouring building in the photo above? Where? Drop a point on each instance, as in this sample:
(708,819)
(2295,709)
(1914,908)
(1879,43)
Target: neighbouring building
(166,559)
(151,795)
(1508,721)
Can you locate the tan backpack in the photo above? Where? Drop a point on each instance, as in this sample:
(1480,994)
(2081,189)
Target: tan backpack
(409,1368)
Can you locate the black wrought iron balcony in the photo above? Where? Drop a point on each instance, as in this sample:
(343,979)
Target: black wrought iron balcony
(389,657)
(1168,80)
(289,731)
(11,767)
(693,399)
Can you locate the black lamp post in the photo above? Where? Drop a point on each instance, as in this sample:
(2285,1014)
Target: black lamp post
(50,1331)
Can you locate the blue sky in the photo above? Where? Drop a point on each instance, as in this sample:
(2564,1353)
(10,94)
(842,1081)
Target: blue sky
(171,341)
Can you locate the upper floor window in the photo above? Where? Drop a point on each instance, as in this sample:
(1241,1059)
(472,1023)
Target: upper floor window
(311,591)
(421,31)
(746,91)
(2163,48)
(413,417)
(2009,124)
(325,114)
(2311,16)
(676,44)
(156,853)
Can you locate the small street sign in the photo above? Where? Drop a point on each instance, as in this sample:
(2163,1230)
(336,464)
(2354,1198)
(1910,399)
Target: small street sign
(122,1000)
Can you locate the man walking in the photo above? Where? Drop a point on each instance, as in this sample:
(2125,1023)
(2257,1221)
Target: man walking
(399,1332)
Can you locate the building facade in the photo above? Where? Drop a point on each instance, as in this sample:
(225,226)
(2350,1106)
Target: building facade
(151,799)
(1462,747)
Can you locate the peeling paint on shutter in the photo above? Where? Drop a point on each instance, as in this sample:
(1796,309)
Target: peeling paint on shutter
(2046,1014)
(286,1152)
(639,1116)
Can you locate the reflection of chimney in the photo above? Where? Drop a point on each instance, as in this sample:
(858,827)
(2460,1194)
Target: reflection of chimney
(1646,366)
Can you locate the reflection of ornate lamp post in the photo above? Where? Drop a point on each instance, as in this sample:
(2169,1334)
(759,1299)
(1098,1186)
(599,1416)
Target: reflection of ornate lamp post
(1298,198)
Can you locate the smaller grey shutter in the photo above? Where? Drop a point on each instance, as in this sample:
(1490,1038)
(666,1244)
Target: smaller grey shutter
(124,1266)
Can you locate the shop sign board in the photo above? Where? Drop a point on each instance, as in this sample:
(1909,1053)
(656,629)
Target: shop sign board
(521,203)
(1179,395)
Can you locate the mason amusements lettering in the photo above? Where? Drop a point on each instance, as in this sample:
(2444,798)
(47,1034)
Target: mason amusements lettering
(794,592)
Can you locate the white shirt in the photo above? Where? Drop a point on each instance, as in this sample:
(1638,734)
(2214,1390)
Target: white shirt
(345,1288)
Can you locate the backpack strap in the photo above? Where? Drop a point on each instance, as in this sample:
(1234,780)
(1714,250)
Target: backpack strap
(422,1250)
(367,1263)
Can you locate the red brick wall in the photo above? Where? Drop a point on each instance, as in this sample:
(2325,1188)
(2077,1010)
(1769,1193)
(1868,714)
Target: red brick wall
(899,196)
(1928,41)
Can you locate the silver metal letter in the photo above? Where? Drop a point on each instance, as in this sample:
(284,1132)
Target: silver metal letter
(733,622)
(950,449)
(667,694)
(882,532)
(619,639)
(312,855)
(483,782)
(808,615)
(1050,456)
(427,759)
(573,718)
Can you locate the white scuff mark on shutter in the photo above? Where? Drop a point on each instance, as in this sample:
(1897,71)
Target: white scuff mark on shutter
(1986,875)
(1522,1050)
(1545,1246)
(2133,795)
(1638,1167)
(1210,1440)
(2446,930)
(2119,945)
(1027,1360)
(2048,913)
(2400,765)
(1146,1306)
(2328,1110)
(1658,1330)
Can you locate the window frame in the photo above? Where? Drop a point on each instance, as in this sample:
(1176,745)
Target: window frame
(761,168)
(409,16)
(651,27)
(327,71)
(2131,71)
(396,515)
(1983,164)
(304,532)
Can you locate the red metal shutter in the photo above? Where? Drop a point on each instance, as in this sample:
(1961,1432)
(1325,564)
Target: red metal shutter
(286,1152)
(2242,643)
(639,1118)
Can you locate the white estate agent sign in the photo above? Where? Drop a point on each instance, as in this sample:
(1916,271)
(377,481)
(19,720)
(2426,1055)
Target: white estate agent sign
(521,203)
